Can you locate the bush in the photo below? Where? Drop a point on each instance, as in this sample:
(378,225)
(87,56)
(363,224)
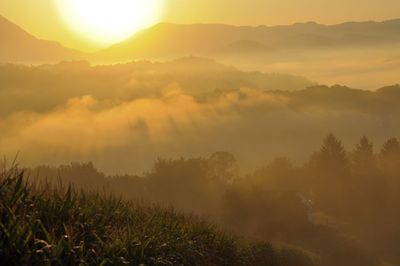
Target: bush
(57,225)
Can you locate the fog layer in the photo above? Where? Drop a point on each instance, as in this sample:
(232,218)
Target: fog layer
(123,117)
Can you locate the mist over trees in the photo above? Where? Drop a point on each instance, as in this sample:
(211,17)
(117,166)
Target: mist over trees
(126,82)
(166,152)
(189,107)
(162,122)
(339,205)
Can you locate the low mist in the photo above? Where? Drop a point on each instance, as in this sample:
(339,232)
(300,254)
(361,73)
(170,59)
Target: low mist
(142,111)
(338,203)
(242,149)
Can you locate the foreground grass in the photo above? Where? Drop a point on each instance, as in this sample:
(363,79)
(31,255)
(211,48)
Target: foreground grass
(62,226)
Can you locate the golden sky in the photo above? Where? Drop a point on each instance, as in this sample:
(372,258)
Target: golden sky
(41,17)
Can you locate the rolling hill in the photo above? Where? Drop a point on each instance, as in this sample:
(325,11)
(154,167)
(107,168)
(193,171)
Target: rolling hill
(195,76)
(17,45)
(57,226)
(168,40)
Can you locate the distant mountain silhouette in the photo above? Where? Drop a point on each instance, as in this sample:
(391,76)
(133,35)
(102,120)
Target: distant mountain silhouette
(17,45)
(170,41)
(243,47)
(193,76)
(167,40)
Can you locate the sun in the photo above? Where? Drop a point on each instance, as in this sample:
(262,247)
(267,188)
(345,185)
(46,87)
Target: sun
(109,21)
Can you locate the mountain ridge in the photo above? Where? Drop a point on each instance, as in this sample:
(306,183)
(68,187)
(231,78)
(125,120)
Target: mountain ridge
(168,40)
(18,45)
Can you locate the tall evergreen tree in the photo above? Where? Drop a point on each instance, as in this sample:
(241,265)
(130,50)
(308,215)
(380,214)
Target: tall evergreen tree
(329,172)
(331,159)
(390,158)
(391,148)
(363,161)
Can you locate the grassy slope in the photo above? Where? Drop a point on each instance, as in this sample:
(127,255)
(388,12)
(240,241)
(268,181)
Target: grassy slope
(63,226)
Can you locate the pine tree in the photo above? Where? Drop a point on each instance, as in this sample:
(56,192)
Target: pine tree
(329,172)
(363,161)
(391,148)
(332,159)
(390,158)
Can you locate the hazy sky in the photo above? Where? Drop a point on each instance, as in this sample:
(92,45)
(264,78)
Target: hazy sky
(41,18)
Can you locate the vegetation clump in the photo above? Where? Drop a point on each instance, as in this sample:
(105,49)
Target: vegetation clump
(60,225)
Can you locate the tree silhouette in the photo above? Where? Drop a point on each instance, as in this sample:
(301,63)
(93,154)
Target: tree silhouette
(279,174)
(363,161)
(329,172)
(223,166)
(390,158)
(391,148)
(331,160)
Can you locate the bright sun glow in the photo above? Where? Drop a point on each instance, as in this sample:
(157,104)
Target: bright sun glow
(109,21)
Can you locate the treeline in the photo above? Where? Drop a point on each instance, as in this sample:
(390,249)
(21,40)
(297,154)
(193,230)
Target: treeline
(139,79)
(349,197)
(338,203)
(59,225)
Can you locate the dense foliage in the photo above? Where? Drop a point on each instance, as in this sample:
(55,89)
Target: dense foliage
(338,202)
(47,225)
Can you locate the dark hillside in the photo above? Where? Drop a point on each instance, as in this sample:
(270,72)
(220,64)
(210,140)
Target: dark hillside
(44,225)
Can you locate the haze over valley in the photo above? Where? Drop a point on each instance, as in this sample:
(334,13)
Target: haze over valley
(201,140)
(362,55)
